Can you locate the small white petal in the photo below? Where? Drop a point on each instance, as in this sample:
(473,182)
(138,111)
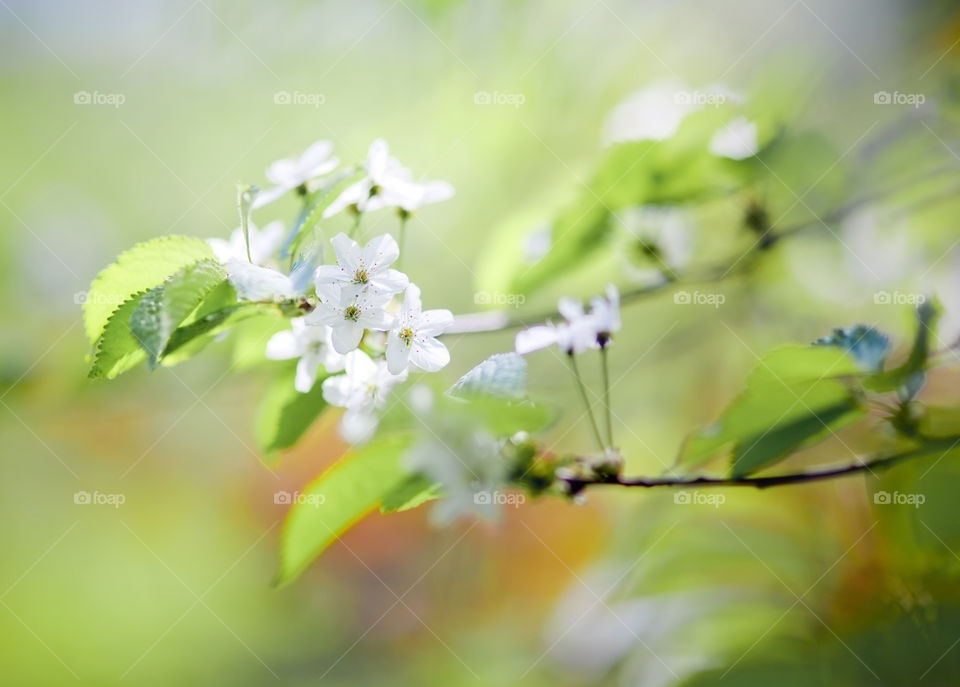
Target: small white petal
(434,322)
(398,354)
(429,354)
(380,252)
(346,336)
(535,339)
(306,373)
(283,346)
(358,426)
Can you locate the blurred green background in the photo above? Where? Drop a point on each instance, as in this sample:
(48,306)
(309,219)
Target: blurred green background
(802,586)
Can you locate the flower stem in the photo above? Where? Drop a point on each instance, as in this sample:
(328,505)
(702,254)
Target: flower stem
(403,234)
(586,402)
(356,225)
(606,392)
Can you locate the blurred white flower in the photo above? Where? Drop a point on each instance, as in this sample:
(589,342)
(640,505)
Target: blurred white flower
(364,269)
(654,113)
(412,339)
(348,314)
(737,140)
(663,234)
(264,244)
(362,390)
(581,330)
(387,184)
(290,173)
(312,345)
(466,462)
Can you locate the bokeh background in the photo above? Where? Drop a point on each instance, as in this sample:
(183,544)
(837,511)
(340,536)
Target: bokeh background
(806,585)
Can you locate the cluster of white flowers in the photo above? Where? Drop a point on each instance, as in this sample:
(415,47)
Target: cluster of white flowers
(581,330)
(355,330)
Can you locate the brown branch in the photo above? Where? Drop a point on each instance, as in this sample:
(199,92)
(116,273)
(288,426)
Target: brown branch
(933,446)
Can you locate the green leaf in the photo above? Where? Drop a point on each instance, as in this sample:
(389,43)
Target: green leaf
(411,493)
(116,350)
(313,211)
(794,397)
(350,489)
(142,267)
(502,374)
(165,307)
(285,414)
(784,438)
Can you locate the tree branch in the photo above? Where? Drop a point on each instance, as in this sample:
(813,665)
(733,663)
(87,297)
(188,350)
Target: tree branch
(576,485)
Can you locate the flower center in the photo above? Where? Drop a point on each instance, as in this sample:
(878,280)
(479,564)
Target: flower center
(406,335)
(351,312)
(361,276)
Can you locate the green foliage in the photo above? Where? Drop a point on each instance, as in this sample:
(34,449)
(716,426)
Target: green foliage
(349,490)
(163,308)
(414,491)
(116,350)
(140,268)
(285,414)
(796,396)
(502,374)
(313,209)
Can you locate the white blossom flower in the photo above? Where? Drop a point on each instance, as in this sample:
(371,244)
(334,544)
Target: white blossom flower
(737,140)
(290,173)
(412,339)
(662,234)
(387,184)
(312,345)
(264,244)
(580,331)
(362,390)
(364,269)
(349,313)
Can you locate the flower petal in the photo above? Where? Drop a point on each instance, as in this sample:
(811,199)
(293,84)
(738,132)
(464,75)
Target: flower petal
(283,346)
(434,322)
(380,252)
(535,339)
(346,336)
(429,354)
(338,390)
(398,354)
(348,252)
(306,373)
